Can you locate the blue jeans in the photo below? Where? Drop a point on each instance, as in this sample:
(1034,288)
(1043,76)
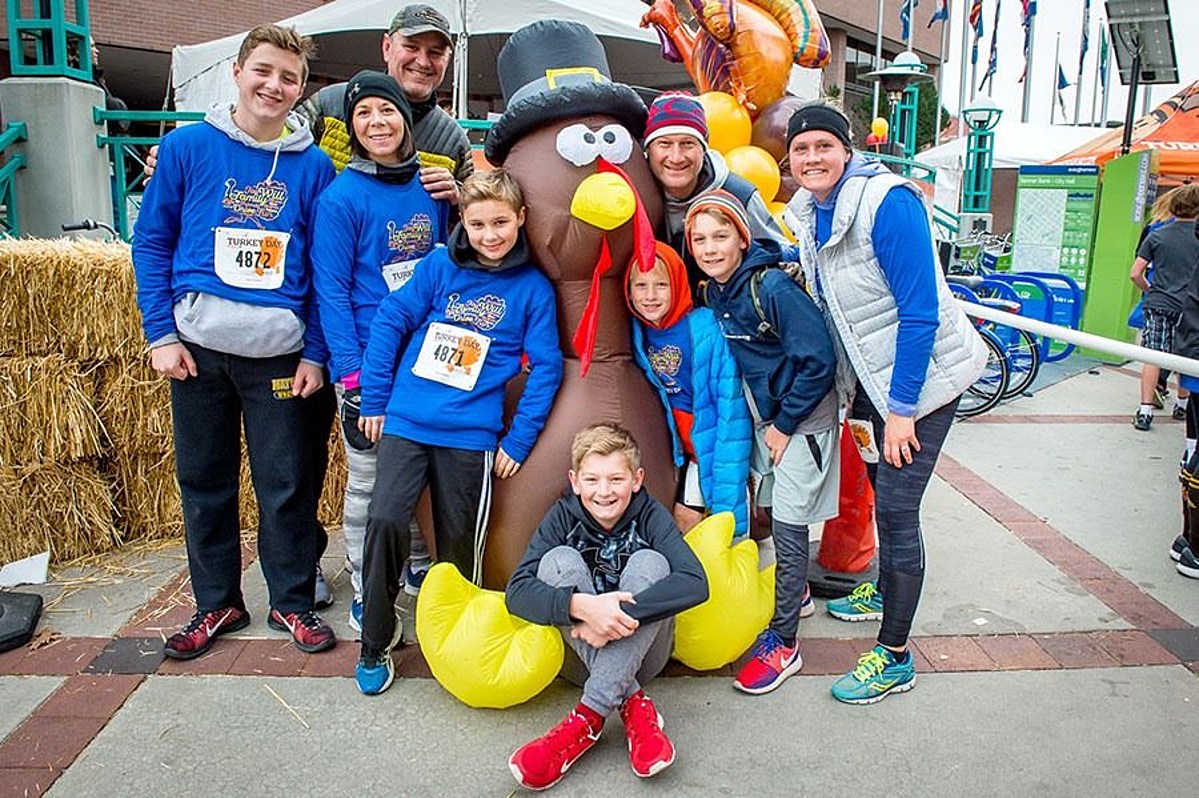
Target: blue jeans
(898,493)
(207,412)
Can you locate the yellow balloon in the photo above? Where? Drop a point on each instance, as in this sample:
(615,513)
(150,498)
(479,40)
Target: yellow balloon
(880,127)
(729,125)
(740,598)
(479,652)
(757,166)
(776,210)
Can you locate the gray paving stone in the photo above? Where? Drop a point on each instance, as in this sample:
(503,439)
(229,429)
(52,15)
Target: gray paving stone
(20,695)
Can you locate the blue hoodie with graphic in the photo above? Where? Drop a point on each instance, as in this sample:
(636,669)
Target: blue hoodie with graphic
(420,376)
(369,235)
(220,250)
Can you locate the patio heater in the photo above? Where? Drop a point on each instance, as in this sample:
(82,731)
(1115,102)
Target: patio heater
(981,116)
(1144,44)
(901,81)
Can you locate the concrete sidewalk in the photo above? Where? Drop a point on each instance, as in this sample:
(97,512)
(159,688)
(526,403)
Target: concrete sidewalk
(1056,648)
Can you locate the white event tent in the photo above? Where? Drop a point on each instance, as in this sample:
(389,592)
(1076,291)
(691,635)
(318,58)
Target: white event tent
(348,34)
(1016,144)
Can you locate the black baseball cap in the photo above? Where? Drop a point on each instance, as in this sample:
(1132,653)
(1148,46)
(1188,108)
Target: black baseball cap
(417,19)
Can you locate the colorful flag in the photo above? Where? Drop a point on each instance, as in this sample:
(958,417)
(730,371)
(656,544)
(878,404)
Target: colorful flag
(1086,33)
(1062,83)
(1103,55)
(905,17)
(993,60)
(941,14)
(976,22)
(1030,11)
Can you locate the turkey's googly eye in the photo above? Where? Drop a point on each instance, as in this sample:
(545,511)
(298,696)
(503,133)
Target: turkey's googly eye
(615,143)
(577,144)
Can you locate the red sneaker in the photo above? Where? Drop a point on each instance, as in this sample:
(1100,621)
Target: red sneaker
(204,627)
(650,750)
(541,763)
(308,631)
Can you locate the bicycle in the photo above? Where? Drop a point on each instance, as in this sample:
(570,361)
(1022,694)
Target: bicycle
(1020,348)
(90,224)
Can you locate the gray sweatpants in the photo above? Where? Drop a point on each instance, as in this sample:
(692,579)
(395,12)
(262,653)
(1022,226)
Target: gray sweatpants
(611,674)
(361,467)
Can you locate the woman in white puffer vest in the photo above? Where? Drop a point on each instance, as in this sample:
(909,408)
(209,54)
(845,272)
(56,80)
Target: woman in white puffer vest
(906,354)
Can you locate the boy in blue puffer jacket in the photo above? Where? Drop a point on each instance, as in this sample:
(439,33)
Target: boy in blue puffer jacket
(788,368)
(686,359)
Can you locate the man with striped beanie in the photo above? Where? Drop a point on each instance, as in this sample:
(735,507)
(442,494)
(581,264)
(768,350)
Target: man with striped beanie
(676,146)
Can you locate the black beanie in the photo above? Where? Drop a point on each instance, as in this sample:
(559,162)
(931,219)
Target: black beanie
(819,116)
(370,83)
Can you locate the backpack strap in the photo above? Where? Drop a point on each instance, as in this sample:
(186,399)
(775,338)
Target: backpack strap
(755,290)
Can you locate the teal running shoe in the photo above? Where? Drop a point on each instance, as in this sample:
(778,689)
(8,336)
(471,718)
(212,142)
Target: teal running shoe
(375,670)
(865,603)
(877,675)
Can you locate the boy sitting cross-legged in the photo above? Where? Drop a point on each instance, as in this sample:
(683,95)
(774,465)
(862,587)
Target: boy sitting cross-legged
(608,566)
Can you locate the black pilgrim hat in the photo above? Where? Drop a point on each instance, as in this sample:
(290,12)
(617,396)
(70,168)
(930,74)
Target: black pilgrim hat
(551,70)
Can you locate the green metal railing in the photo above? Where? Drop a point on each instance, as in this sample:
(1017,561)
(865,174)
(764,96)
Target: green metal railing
(10,219)
(123,151)
(44,42)
(908,167)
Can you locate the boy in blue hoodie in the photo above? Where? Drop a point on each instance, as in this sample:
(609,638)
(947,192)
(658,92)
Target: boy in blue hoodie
(788,368)
(685,357)
(441,352)
(220,255)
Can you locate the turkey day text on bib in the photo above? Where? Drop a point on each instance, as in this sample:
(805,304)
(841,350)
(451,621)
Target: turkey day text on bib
(452,356)
(250,258)
(396,274)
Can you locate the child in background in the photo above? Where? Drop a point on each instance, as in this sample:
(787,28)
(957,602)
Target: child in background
(788,367)
(373,223)
(441,352)
(685,357)
(608,566)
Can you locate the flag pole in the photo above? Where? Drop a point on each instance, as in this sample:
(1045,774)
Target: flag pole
(1082,56)
(1095,83)
(961,126)
(1057,71)
(878,59)
(1032,31)
(940,81)
(1107,82)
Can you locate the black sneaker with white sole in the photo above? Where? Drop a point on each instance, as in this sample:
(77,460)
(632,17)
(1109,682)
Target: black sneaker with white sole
(1177,548)
(1187,565)
(1142,421)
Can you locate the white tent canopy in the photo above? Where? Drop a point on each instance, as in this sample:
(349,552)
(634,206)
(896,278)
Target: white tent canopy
(350,32)
(1016,144)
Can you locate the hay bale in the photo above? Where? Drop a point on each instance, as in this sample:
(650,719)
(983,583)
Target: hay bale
(146,496)
(134,404)
(68,296)
(148,506)
(66,508)
(47,411)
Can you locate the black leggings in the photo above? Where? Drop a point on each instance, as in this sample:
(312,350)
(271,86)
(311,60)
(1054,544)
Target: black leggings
(898,494)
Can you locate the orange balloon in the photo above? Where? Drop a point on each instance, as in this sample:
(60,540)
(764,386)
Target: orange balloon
(757,166)
(729,125)
(776,210)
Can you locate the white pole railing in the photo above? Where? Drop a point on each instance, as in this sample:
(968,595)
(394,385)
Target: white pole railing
(1166,360)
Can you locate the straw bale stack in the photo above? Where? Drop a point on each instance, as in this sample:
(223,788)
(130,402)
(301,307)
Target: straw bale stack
(66,508)
(86,449)
(48,411)
(74,298)
(135,403)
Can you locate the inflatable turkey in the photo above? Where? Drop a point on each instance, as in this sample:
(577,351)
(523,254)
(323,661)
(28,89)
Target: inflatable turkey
(570,137)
